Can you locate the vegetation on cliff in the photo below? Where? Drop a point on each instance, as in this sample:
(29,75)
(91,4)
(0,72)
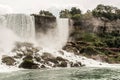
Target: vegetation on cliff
(45,13)
(103,45)
(106,14)
(74,14)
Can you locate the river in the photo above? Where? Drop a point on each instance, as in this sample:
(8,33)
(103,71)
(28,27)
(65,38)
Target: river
(82,73)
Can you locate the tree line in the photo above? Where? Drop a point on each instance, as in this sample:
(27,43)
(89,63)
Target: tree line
(103,12)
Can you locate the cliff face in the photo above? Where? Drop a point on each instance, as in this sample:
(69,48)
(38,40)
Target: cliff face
(97,26)
(44,23)
(103,47)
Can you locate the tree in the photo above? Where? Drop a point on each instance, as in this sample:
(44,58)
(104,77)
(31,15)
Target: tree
(45,13)
(88,15)
(74,14)
(70,13)
(75,11)
(106,13)
(65,14)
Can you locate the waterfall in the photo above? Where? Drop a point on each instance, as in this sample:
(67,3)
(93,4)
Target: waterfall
(15,27)
(62,32)
(57,37)
(22,25)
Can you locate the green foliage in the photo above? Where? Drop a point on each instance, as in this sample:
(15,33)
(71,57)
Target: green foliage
(65,14)
(87,15)
(76,17)
(111,39)
(99,44)
(89,37)
(75,11)
(106,12)
(89,50)
(45,13)
(113,42)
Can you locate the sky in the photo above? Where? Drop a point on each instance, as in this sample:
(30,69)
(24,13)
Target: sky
(34,6)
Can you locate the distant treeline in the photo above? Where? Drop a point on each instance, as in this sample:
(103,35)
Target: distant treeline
(104,12)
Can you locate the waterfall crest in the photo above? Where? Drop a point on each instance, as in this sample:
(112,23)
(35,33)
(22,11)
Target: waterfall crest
(15,27)
(22,25)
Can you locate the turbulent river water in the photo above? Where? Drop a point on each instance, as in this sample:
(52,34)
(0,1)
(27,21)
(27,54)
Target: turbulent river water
(82,73)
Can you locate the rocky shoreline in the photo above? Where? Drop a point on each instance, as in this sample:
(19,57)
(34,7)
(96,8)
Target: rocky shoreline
(29,57)
(103,54)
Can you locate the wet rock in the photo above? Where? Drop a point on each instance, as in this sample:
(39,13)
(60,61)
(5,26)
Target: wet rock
(60,59)
(63,64)
(35,49)
(38,59)
(89,50)
(18,56)
(28,52)
(29,64)
(77,64)
(42,66)
(27,58)
(47,56)
(61,52)
(71,47)
(8,60)
(53,60)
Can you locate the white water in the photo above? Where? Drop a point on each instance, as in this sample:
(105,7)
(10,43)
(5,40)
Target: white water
(55,38)
(14,28)
(75,58)
(22,25)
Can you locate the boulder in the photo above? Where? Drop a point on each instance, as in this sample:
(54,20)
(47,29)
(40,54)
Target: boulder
(47,56)
(77,64)
(71,47)
(53,60)
(61,52)
(28,58)
(62,64)
(8,60)
(42,66)
(38,59)
(19,55)
(29,64)
(60,59)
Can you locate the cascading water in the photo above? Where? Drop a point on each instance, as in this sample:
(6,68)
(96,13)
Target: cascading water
(7,37)
(15,27)
(62,32)
(57,37)
(22,25)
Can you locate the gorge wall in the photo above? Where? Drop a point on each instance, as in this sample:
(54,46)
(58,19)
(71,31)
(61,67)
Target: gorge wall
(96,25)
(44,23)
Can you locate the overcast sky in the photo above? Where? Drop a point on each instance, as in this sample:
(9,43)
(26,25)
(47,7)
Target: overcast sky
(34,6)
